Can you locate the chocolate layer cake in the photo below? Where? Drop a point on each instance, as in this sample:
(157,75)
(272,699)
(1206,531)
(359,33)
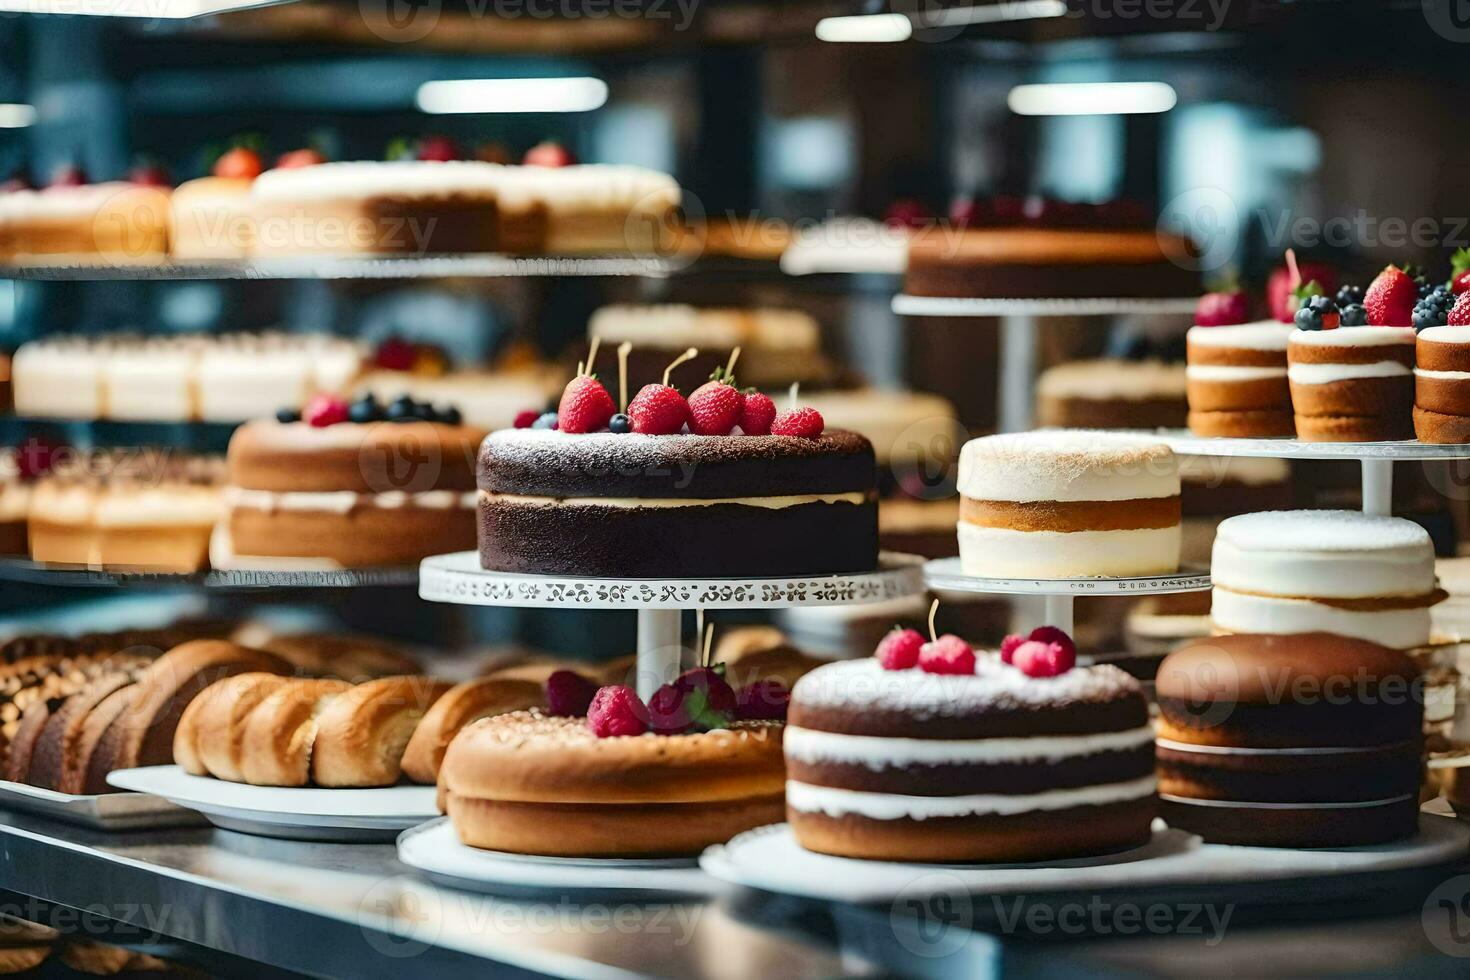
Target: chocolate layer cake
(1017,263)
(641,506)
(903,765)
(1311,740)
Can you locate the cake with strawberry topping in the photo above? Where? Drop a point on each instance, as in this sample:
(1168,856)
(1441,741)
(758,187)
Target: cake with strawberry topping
(721,484)
(1236,373)
(348,485)
(930,752)
(211,215)
(1442,378)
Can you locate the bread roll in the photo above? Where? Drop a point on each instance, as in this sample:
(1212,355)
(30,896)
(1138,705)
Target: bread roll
(463,704)
(362,735)
(276,746)
(222,725)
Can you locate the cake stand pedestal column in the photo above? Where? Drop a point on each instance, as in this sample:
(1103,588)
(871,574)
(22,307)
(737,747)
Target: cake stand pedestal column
(1058,613)
(1378,486)
(660,649)
(1019,345)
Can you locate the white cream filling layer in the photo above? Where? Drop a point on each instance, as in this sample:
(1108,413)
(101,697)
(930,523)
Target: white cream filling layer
(1236,612)
(1225,372)
(1168,743)
(806,798)
(770,503)
(995,552)
(1353,337)
(344,501)
(1237,805)
(1321,374)
(1442,375)
(1261,335)
(895,753)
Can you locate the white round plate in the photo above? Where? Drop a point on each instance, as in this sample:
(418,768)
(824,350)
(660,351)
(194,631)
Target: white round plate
(906,305)
(770,859)
(298,813)
(458,578)
(435,849)
(944,574)
(1408,450)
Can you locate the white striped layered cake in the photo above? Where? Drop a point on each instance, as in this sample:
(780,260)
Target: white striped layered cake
(906,765)
(1352,384)
(1236,380)
(1442,385)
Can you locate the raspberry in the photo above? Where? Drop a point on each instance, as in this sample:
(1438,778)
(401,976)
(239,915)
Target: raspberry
(585,405)
(803,422)
(947,655)
(615,710)
(715,407)
(526,419)
(658,410)
(1460,312)
(899,649)
(1008,646)
(568,693)
(696,699)
(1037,659)
(324,410)
(1051,634)
(756,414)
(765,700)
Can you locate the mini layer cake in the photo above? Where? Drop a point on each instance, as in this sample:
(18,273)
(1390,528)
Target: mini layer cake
(1345,572)
(1111,394)
(677,506)
(212,219)
(981,764)
(1068,503)
(1442,385)
(1237,380)
(1352,384)
(329,493)
(1312,740)
(114,223)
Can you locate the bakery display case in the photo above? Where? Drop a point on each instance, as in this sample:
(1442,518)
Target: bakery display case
(732,489)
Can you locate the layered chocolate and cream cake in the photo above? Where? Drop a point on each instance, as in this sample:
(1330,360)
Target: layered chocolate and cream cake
(332,493)
(113,223)
(1336,571)
(1016,263)
(1237,380)
(1442,385)
(1108,393)
(1352,384)
(982,764)
(1309,740)
(676,506)
(1068,503)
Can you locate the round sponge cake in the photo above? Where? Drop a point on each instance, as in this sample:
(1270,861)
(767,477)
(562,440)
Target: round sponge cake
(1312,740)
(1338,571)
(1068,503)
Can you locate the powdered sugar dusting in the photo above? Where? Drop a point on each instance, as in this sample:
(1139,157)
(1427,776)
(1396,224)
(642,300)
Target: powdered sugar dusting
(1322,530)
(995,686)
(1067,464)
(535,728)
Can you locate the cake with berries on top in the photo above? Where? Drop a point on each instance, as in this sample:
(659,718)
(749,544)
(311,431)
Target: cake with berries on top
(1236,373)
(211,217)
(928,751)
(721,484)
(348,485)
(1352,381)
(1442,376)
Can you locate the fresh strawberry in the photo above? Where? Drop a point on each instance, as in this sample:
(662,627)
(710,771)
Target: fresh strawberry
(1222,309)
(715,406)
(616,710)
(549,153)
(658,410)
(439,149)
(947,655)
(585,405)
(1391,298)
(147,173)
(803,422)
(899,649)
(241,163)
(757,412)
(1460,313)
(296,159)
(1008,646)
(324,410)
(1460,271)
(1035,658)
(1279,288)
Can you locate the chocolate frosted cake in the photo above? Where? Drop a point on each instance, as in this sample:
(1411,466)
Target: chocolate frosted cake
(990,765)
(676,506)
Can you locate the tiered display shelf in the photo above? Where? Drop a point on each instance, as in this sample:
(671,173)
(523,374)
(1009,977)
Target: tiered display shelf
(223,580)
(422,267)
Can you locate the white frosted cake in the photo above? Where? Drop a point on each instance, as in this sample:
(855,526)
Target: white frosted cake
(1068,503)
(1333,571)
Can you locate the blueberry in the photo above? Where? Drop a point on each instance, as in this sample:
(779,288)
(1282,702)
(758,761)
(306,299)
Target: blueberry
(365,409)
(1308,319)
(449,415)
(1354,315)
(620,424)
(1349,296)
(547,421)
(401,409)
(286,416)
(1427,318)
(1321,305)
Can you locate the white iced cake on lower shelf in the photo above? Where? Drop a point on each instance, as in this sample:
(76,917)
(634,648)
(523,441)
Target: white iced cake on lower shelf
(1068,503)
(1333,571)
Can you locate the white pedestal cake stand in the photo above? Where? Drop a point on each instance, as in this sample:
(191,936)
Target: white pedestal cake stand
(458,578)
(1019,343)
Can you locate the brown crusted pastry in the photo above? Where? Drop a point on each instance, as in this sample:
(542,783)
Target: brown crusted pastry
(144,734)
(24,945)
(98,959)
(361,736)
(76,770)
(463,704)
(57,743)
(276,747)
(352,658)
(209,737)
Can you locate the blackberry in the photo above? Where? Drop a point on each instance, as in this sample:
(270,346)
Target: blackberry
(1354,315)
(1429,314)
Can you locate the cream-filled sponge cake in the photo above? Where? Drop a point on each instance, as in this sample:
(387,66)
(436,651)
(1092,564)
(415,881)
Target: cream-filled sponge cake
(1352,384)
(987,765)
(1237,380)
(1333,571)
(1068,503)
(1442,385)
